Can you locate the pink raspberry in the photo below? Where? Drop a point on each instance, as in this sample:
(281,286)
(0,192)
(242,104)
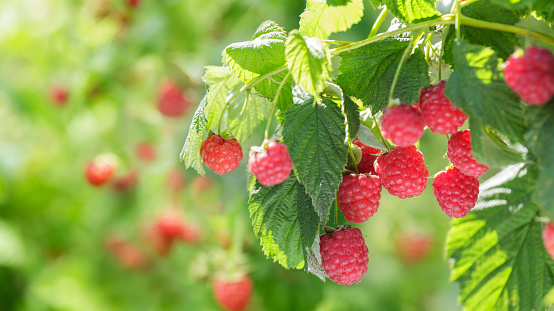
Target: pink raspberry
(531,76)
(344,256)
(171,101)
(456,192)
(271,165)
(403,172)
(368,158)
(358,196)
(548,239)
(439,113)
(233,294)
(459,153)
(403,125)
(221,155)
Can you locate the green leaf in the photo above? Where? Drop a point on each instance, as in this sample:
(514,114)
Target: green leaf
(352,113)
(322,18)
(411,10)
(367,73)
(514,4)
(502,43)
(266,52)
(246,112)
(496,251)
(308,60)
(367,137)
(544,10)
(540,139)
(478,88)
(284,220)
(315,136)
(269,87)
(489,148)
(190,154)
(220,83)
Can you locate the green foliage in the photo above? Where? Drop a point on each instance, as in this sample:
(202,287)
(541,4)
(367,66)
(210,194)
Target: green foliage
(411,10)
(315,135)
(502,43)
(367,73)
(269,88)
(490,104)
(322,18)
(496,251)
(352,113)
(219,82)
(367,137)
(284,220)
(266,52)
(190,154)
(309,62)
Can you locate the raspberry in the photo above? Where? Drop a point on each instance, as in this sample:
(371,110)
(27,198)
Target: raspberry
(403,125)
(128,255)
(548,239)
(368,157)
(99,171)
(221,155)
(456,192)
(126,182)
(175,181)
(59,95)
(233,295)
(171,101)
(413,247)
(145,152)
(358,196)
(439,113)
(403,172)
(172,226)
(459,153)
(271,165)
(344,256)
(531,76)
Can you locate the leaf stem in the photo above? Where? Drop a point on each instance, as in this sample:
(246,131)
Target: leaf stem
(383,140)
(336,213)
(353,160)
(378,22)
(407,52)
(261,77)
(274,104)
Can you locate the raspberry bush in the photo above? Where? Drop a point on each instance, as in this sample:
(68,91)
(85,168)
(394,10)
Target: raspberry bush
(454,63)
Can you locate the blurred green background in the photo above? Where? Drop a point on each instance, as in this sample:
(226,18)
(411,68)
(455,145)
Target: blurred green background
(57,231)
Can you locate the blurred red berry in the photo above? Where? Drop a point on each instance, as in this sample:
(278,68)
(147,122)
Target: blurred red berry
(413,247)
(133,3)
(233,294)
(145,151)
(176,181)
(126,182)
(548,239)
(59,95)
(101,170)
(202,184)
(171,101)
(127,254)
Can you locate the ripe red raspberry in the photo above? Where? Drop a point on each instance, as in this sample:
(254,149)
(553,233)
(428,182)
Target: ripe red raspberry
(403,172)
(221,155)
(548,239)
(59,95)
(145,152)
(456,192)
(344,256)
(173,226)
(271,165)
(99,171)
(459,153)
(233,294)
(413,247)
(358,196)
(171,101)
(531,76)
(439,113)
(403,125)
(368,157)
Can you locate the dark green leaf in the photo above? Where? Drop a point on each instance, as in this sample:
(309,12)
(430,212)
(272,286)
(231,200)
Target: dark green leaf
(496,251)
(489,148)
(514,4)
(411,10)
(284,220)
(352,113)
(367,73)
(269,87)
(309,62)
(321,18)
(477,87)
(315,135)
(502,43)
(266,52)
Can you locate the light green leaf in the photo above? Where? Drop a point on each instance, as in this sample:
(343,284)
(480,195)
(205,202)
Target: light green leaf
(270,86)
(308,60)
(220,82)
(322,18)
(367,137)
(190,154)
(489,148)
(284,220)
(315,135)
(367,73)
(266,52)
(411,10)
(496,251)
(246,112)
